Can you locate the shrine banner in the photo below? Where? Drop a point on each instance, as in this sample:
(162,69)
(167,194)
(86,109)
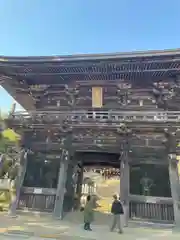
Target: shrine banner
(97,97)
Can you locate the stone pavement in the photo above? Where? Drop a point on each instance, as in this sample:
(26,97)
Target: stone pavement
(36,227)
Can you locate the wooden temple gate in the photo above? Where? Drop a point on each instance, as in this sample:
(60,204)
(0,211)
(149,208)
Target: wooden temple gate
(126,104)
(137,207)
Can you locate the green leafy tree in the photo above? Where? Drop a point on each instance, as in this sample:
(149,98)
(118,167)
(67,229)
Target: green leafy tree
(8,151)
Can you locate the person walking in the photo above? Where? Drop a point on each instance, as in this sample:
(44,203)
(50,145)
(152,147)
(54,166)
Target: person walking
(88,213)
(117,211)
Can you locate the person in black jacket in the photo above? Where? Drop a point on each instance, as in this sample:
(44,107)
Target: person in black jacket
(117,211)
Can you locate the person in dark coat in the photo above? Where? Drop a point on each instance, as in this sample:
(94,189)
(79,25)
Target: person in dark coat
(88,213)
(117,211)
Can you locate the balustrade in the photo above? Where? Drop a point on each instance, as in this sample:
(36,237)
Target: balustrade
(159,209)
(99,116)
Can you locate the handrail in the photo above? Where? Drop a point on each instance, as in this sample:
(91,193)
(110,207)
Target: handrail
(150,199)
(92,111)
(101,116)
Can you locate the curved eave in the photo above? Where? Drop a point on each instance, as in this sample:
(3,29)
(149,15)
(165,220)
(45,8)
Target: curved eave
(24,100)
(84,57)
(27,101)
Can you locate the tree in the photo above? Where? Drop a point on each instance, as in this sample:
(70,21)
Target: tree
(8,150)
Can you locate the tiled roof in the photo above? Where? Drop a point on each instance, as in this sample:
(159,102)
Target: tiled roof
(136,66)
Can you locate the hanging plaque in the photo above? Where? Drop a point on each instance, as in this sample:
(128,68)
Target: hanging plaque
(97,97)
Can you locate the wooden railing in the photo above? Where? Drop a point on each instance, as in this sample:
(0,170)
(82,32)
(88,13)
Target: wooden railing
(155,209)
(37,199)
(100,116)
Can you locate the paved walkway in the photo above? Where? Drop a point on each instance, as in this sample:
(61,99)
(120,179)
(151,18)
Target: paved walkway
(33,227)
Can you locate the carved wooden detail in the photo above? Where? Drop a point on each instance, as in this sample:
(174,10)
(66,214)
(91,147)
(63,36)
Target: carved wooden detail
(120,95)
(167,94)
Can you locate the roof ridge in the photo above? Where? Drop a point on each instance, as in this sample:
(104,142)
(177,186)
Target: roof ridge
(129,54)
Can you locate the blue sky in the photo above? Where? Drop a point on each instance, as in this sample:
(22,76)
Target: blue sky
(55,27)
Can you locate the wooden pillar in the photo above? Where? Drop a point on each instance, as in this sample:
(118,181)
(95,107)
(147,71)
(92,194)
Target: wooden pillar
(79,186)
(60,192)
(61,186)
(124,168)
(18,183)
(124,186)
(175,189)
(70,185)
(173,172)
